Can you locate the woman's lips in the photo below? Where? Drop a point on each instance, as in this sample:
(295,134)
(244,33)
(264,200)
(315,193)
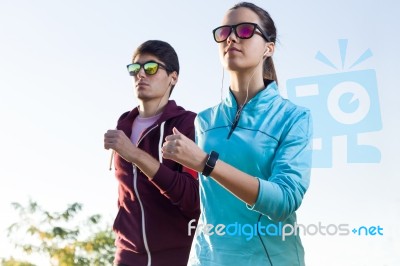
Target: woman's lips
(232,50)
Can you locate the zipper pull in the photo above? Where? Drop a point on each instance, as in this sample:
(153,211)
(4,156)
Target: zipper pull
(236,121)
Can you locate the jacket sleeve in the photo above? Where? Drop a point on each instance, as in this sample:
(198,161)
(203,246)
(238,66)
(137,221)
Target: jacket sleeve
(283,192)
(181,186)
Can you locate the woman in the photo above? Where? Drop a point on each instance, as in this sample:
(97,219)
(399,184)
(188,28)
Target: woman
(254,154)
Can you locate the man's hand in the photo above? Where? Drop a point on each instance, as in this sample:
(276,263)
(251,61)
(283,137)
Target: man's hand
(120,143)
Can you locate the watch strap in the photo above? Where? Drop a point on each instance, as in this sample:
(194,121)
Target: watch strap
(210,163)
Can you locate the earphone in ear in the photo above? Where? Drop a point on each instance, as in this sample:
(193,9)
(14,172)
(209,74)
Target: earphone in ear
(173,80)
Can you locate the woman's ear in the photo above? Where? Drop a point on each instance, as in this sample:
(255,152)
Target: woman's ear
(269,49)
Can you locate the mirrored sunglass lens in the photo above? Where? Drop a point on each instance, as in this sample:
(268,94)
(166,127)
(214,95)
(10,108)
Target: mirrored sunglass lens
(222,33)
(150,68)
(245,30)
(133,68)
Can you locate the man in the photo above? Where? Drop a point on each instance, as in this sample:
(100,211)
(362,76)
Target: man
(157,197)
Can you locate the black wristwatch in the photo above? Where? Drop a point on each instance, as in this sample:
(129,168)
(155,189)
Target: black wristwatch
(210,163)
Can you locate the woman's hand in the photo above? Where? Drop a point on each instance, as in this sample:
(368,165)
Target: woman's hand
(181,149)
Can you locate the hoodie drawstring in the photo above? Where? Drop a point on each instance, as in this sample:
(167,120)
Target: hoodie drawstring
(160,143)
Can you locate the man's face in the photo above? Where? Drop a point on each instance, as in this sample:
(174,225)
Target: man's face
(150,87)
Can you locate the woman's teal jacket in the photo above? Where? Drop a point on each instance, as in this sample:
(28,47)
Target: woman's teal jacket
(271,140)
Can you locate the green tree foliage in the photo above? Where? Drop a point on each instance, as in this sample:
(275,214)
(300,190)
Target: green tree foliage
(14,262)
(59,237)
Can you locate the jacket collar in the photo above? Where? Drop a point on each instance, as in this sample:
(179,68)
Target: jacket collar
(262,98)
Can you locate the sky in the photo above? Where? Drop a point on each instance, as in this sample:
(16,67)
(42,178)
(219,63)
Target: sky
(63,84)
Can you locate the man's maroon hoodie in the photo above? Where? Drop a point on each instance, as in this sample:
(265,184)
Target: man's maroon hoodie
(152,222)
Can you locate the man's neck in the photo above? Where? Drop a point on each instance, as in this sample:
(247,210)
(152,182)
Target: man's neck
(151,108)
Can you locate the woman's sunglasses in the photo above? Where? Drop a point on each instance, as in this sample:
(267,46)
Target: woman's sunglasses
(150,68)
(244,30)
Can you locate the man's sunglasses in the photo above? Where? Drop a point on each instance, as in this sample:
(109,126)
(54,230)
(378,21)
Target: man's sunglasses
(150,68)
(244,30)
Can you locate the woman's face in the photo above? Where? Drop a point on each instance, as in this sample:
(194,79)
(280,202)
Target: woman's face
(242,54)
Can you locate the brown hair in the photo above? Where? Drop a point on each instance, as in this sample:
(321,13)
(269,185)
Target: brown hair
(163,51)
(268,26)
